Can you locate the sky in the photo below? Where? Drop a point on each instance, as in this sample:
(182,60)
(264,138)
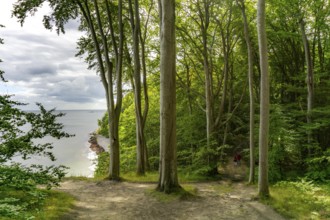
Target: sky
(41,66)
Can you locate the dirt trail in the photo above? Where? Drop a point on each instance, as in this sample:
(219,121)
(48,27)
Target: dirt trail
(216,200)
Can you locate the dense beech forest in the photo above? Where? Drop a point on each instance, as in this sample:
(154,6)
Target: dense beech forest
(218,87)
(218,80)
(191,83)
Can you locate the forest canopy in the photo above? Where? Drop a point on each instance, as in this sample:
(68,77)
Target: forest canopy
(210,36)
(216,84)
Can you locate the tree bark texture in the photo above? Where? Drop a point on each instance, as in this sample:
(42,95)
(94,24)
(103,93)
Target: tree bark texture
(145,84)
(168,180)
(251,95)
(106,70)
(263,187)
(309,79)
(140,138)
(205,20)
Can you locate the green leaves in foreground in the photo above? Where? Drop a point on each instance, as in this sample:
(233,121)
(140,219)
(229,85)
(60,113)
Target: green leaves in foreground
(39,204)
(19,135)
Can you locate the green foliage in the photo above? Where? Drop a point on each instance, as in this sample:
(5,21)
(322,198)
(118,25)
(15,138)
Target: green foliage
(128,158)
(300,200)
(16,142)
(202,162)
(149,177)
(283,148)
(127,131)
(19,196)
(7,209)
(319,167)
(61,13)
(102,165)
(38,204)
(103,124)
(19,131)
(27,178)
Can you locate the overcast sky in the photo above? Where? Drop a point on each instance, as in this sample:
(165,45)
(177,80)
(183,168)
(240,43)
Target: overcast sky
(40,66)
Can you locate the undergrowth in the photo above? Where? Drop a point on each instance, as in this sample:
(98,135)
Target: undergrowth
(39,204)
(301,200)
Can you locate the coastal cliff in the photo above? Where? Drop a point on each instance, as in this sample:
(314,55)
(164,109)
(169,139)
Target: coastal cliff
(94,144)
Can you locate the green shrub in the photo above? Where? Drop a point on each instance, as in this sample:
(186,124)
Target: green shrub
(319,167)
(102,165)
(103,124)
(300,200)
(37,204)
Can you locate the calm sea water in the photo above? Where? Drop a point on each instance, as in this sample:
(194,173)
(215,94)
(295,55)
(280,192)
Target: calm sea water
(74,152)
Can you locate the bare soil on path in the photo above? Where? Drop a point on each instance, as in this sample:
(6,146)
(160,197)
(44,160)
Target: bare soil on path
(125,201)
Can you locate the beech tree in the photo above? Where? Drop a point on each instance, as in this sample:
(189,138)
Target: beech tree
(241,4)
(140,117)
(213,55)
(168,178)
(264,100)
(309,78)
(110,68)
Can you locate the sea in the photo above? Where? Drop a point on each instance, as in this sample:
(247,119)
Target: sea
(73,152)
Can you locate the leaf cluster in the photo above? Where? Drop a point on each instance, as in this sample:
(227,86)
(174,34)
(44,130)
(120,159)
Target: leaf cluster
(19,132)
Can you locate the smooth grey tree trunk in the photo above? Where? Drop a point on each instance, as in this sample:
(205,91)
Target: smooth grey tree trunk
(207,73)
(168,179)
(140,137)
(143,38)
(263,187)
(107,75)
(115,103)
(251,95)
(309,80)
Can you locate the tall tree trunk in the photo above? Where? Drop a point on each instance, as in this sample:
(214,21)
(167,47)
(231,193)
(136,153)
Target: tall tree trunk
(309,80)
(145,84)
(227,44)
(168,178)
(205,21)
(264,101)
(320,50)
(106,73)
(188,89)
(140,140)
(230,106)
(114,171)
(252,107)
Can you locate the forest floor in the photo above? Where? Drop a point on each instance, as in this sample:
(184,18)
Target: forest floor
(224,199)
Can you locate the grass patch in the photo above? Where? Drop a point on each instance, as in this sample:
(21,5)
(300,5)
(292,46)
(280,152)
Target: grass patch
(56,205)
(300,200)
(152,177)
(39,204)
(149,177)
(187,192)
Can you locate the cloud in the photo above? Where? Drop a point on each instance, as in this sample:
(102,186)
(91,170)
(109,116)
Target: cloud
(41,67)
(71,90)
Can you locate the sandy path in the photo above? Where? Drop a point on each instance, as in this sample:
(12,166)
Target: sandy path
(110,200)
